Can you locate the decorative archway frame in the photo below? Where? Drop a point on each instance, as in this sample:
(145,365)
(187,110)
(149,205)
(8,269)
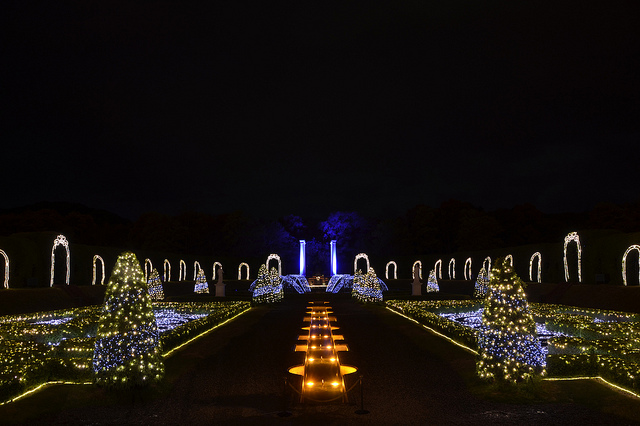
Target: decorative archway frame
(355,262)
(167,277)
(276,257)
(147,261)
(97,257)
(533,256)
(395,270)
(196,268)
(214,269)
(438,267)
(183,271)
(487,260)
(510,259)
(240,270)
(6,268)
(452,262)
(467,269)
(60,240)
(624,262)
(572,236)
(413,269)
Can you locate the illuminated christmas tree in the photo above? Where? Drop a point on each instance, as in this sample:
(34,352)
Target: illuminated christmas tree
(267,288)
(482,284)
(432,282)
(366,288)
(127,349)
(201,283)
(509,348)
(155,286)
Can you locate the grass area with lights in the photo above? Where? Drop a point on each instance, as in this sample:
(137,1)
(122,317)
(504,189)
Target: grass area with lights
(59,345)
(584,342)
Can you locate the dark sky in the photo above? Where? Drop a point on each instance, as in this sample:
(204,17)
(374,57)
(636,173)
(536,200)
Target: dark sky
(373,106)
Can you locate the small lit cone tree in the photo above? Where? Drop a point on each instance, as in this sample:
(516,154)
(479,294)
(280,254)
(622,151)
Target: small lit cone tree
(482,285)
(367,287)
(267,287)
(432,282)
(155,286)
(127,349)
(509,350)
(202,286)
(277,289)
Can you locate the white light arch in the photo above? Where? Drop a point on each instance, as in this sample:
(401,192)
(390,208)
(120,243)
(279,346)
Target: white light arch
(413,269)
(487,261)
(214,269)
(573,236)
(60,240)
(438,267)
(6,268)
(240,270)
(167,277)
(395,270)
(452,269)
(355,262)
(510,259)
(183,271)
(533,256)
(196,268)
(275,256)
(96,257)
(467,268)
(147,261)
(624,263)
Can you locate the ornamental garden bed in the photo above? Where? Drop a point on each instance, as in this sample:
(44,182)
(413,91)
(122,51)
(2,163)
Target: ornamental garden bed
(58,345)
(577,341)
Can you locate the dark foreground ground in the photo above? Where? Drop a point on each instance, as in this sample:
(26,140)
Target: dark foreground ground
(235,375)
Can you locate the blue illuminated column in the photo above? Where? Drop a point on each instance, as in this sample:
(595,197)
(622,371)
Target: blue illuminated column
(334,260)
(303,261)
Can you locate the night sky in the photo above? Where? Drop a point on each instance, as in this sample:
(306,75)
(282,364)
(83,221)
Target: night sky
(168,106)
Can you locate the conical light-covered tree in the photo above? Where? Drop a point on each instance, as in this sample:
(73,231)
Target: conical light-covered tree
(509,349)
(482,284)
(267,288)
(155,286)
(432,282)
(127,349)
(366,288)
(202,286)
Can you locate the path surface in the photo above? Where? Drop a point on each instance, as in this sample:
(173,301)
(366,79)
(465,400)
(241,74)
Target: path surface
(234,375)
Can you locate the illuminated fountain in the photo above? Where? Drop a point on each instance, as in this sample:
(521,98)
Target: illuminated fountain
(322,374)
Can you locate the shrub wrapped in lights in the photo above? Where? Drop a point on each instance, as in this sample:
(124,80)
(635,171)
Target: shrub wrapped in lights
(482,284)
(155,286)
(367,288)
(127,348)
(267,288)
(432,282)
(509,350)
(201,283)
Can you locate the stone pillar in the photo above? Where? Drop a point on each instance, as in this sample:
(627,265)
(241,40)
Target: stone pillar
(416,286)
(220,285)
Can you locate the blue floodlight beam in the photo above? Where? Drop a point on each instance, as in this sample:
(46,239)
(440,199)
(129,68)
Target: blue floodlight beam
(303,261)
(334,260)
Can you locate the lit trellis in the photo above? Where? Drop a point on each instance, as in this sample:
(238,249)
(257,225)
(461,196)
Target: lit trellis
(395,270)
(467,269)
(486,264)
(413,269)
(167,270)
(183,271)
(438,267)
(95,258)
(276,257)
(214,269)
(6,268)
(196,268)
(60,240)
(533,256)
(360,256)
(509,258)
(573,236)
(149,265)
(624,262)
(452,269)
(243,265)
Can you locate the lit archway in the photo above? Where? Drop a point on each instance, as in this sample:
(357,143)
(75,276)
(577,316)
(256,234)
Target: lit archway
(573,236)
(214,269)
(487,262)
(95,258)
(167,270)
(355,262)
(183,271)
(624,263)
(452,269)
(148,267)
(276,257)
(60,240)
(395,270)
(438,267)
(467,269)
(413,269)
(510,259)
(533,256)
(196,268)
(6,268)
(240,270)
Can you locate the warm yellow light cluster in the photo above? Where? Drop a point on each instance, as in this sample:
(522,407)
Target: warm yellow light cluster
(438,267)
(413,269)
(167,270)
(452,269)
(276,257)
(467,269)
(183,271)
